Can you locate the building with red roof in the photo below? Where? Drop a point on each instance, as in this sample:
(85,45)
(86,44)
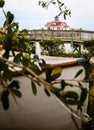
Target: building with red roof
(56,25)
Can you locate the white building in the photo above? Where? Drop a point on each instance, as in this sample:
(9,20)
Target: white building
(56,25)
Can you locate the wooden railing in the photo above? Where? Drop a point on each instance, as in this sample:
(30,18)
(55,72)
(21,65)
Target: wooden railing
(65,35)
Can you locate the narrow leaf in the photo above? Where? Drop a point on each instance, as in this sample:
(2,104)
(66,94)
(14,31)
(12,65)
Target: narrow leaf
(34,89)
(54,77)
(71,102)
(47,92)
(16,92)
(61,4)
(63,84)
(4,99)
(5,103)
(78,73)
(83,94)
(14,84)
(80,84)
(70,94)
(56,70)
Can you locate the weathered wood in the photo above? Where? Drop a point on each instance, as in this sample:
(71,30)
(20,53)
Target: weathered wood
(77,36)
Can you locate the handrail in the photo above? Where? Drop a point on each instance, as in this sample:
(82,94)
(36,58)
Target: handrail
(65,64)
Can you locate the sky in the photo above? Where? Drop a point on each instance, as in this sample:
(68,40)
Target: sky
(30,15)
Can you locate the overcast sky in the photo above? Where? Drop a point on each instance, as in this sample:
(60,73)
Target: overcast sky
(30,15)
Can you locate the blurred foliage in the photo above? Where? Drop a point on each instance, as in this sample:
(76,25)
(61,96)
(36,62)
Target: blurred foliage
(89,45)
(2,2)
(72,54)
(18,47)
(56,47)
(62,8)
(52,47)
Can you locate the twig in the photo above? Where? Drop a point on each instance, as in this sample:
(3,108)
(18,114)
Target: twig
(46,84)
(71,111)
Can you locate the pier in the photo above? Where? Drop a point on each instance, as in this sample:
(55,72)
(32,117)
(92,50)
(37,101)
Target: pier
(76,36)
(73,37)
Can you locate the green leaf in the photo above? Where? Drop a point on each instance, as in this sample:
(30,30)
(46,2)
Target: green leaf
(70,94)
(17,58)
(82,99)
(4,99)
(14,84)
(53,2)
(65,16)
(34,89)
(2,65)
(37,82)
(14,26)
(71,102)
(35,68)
(55,91)
(54,77)
(5,103)
(9,17)
(6,72)
(57,70)
(78,73)
(61,4)
(48,74)
(2,2)
(80,84)
(16,92)
(63,84)
(83,94)
(8,43)
(42,62)
(52,74)
(47,92)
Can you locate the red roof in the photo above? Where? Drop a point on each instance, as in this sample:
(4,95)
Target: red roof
(56,24)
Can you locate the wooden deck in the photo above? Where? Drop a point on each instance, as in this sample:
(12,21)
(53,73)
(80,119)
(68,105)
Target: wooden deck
(76,36)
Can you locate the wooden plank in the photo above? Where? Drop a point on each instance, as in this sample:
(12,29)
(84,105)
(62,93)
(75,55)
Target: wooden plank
(64,64)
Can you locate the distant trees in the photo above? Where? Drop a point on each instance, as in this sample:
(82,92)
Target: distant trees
(52,47)
(89,45)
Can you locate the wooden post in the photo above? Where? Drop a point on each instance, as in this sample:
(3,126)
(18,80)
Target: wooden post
(42,34)
(72,39)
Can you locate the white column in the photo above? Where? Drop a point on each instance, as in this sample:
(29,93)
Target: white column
(38,49)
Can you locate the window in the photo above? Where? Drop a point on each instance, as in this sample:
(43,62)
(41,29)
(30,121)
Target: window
(58,28)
